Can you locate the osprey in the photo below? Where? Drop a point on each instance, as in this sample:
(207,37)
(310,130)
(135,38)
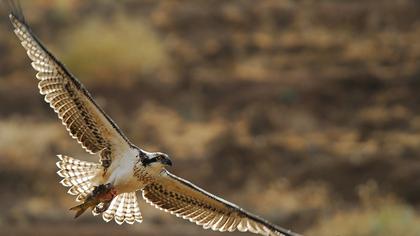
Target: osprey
(109,187)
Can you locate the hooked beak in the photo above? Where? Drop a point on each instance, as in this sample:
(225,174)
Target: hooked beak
(167,161)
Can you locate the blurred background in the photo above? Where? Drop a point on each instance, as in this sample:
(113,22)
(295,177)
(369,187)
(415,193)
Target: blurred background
(304,112)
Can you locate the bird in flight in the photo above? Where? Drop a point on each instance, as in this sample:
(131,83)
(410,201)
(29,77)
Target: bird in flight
(109,187)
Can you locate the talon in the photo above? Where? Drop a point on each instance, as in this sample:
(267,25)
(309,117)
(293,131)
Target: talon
(103,208)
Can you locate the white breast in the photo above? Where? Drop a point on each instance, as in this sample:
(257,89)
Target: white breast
(121,173)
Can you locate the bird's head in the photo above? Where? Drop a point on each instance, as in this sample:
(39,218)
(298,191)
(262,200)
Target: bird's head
(156,159)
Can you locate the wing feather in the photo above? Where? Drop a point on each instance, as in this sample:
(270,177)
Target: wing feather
(82,117)
(183,199)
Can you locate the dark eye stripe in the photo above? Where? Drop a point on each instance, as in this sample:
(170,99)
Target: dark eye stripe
(147,161)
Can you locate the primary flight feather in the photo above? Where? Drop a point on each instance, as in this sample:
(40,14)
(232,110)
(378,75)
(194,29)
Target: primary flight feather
(109,187)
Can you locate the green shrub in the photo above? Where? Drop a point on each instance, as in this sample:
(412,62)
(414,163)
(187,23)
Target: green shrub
(113,51)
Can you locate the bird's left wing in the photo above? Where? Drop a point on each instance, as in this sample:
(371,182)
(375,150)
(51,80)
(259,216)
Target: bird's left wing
(83,118)
(183,199)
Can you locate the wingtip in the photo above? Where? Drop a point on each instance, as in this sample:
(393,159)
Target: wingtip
(16,12)
(13,18)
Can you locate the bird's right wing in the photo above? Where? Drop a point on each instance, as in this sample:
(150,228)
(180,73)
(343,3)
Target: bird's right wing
(83,118)
(183,199)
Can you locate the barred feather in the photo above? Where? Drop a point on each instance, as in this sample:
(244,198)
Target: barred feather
(83,118)
(77,175)
(124,208)
(183,199)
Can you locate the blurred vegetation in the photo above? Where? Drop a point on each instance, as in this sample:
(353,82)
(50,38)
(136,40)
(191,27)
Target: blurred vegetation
(305,112)
(378,215)
(127,58)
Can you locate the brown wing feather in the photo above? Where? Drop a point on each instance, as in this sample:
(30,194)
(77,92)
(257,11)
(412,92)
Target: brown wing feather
(183,199)
(83,118)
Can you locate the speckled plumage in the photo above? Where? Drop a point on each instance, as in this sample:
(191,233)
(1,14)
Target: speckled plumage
(122,165)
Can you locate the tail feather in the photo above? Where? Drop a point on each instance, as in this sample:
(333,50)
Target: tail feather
(129,217)
(124,208)
(108,215)
(77,175)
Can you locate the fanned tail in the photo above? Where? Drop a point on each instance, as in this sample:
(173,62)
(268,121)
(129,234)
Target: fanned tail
(77,175)
(123,208)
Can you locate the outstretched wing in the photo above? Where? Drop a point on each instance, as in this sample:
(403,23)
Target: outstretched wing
(183,199)
(83,118)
